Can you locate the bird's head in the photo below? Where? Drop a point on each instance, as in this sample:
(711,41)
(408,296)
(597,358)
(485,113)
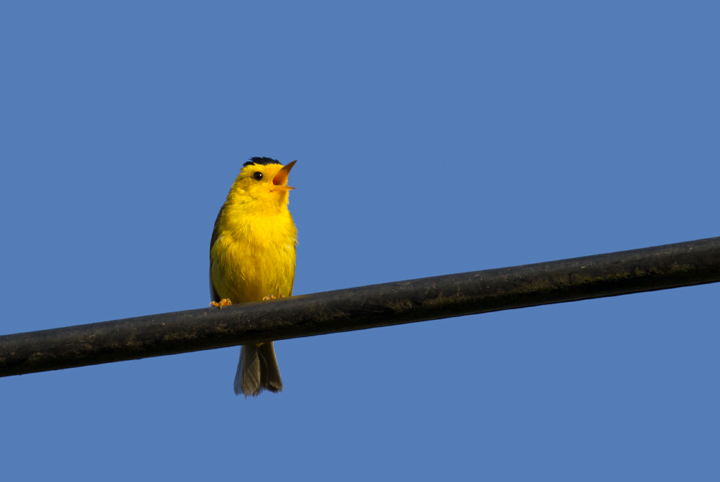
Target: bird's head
(265,180)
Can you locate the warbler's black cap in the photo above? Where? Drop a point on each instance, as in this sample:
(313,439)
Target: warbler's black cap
(261,160)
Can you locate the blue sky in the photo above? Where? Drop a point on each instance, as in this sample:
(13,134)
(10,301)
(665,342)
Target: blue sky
(431,138)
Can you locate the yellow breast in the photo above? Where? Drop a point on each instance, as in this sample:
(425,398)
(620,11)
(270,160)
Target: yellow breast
(253,255)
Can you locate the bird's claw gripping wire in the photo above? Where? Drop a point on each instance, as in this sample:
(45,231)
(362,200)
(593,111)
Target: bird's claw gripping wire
(221,303)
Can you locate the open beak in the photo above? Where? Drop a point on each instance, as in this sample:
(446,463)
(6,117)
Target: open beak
(280,179)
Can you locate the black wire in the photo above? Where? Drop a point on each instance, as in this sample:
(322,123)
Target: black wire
(625,272)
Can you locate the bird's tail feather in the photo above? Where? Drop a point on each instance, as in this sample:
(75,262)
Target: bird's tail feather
(257,370)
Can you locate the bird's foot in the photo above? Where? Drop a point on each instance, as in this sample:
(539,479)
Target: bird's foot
(223,302)
(272,297)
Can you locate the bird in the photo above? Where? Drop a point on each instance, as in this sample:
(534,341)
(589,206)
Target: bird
(252,258)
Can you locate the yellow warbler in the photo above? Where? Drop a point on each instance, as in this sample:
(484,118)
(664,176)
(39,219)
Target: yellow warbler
(252,258)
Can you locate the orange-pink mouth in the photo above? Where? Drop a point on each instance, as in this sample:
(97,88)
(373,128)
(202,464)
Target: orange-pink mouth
(281,178)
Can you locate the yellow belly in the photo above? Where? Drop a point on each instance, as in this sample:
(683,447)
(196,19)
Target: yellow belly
(254,259)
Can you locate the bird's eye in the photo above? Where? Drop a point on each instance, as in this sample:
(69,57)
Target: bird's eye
(258,176)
